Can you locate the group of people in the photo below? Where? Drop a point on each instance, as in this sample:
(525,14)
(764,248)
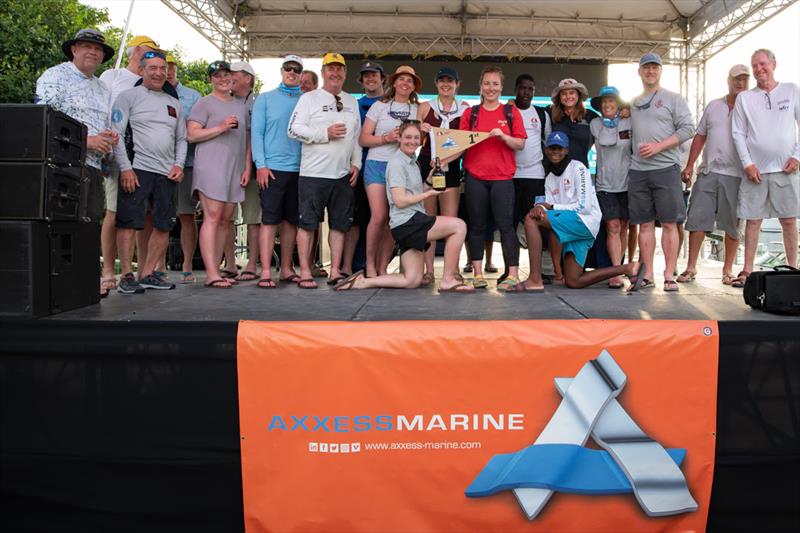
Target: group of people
(157,148)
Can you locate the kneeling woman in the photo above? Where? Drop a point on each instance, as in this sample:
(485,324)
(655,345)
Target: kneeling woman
(411,227)
(571,211)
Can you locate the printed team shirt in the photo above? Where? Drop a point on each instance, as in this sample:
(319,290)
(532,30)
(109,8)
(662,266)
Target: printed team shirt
(529,159)
(67,89)
(765,126)
(573,191)
(614,150)
(403,171)
(492,160)
(388,116)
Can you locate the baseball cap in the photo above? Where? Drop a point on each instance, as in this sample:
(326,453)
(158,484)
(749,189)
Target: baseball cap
(171,59)
(557,138)
(650,57)
(291,58)
(243,66)
(447,72)
(738,70)
(371,66)
(333,57)
(143,40)
(216,66)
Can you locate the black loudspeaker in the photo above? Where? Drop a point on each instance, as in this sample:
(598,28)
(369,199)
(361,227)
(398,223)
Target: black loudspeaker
(47,268)
(39,133)
(40,191)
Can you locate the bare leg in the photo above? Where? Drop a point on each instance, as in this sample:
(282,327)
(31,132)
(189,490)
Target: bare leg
(695,244)
(647,247)
(789,228)
(633,240)
(336,242)
(431,208)
(108,243)
(125,238)
(288,241)
(534,237)
(413,262)
(614,245)
(386,249)
(379,217)
(577,278)
(227,244)
(453,230)
(350,242)
(669,244)
(253,232)
(555,255)
(488,247)
(731,247)
(304,238)
(156,247)
(751,234)
(142,240)
(212,234)
(188,240)
(266,236)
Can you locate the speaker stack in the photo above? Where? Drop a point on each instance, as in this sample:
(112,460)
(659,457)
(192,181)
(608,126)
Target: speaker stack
(49,251)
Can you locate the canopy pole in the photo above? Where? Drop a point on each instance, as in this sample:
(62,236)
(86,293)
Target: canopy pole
(124,36)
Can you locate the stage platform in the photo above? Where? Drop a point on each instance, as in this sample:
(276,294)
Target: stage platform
(704,298)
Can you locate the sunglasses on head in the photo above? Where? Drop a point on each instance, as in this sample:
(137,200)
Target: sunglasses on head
(413,121)
(339,104)
(296,70)
(151,54)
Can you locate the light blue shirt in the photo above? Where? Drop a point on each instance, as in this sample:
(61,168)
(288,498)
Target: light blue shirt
(272,148)
(83,98)
(188,98)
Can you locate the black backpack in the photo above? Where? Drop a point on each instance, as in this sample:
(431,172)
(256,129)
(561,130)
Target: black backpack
(774,291)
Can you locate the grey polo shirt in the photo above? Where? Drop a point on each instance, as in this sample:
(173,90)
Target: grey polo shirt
(667,114)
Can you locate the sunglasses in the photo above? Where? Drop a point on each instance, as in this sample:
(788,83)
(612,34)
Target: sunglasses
(151,54)
(90,35)
(645,105)
(339,104)
(296,70)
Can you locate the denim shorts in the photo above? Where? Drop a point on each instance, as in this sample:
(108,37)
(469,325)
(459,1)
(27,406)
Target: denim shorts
(375,172)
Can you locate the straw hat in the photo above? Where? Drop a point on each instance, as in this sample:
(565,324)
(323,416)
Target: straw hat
(405,69)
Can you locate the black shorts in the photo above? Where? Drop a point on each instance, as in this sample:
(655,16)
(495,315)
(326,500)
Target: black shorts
(132,206)
(413,235)
(525,193)
(361,211)
(317,194)
(452,177)
(279,201)
(613,205)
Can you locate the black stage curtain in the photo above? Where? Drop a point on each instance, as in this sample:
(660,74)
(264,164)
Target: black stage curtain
(117,427)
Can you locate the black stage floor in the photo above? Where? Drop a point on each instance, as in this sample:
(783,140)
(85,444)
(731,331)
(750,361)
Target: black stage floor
(705,298)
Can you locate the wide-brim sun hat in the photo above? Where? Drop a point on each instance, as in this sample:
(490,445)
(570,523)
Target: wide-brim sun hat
(90,36)
(409,71)
(608,90)
(570,83)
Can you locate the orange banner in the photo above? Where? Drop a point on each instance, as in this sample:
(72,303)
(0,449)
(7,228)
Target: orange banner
(381,427)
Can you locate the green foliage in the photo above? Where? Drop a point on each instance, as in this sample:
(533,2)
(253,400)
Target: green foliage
(32,32)
(192,74)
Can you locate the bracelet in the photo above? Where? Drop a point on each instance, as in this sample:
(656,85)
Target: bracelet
(383,138)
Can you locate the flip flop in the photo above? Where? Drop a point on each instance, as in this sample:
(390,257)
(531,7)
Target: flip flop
(266,283)
(686,276)
(508,284)
(520,287)
(479,282)
(335,281)
(187,277)
(247,275)
(227,273)
(638,281)
(293,278)
(491,269)
(458,288)
(319,272)
(219,283)
(427,279)
(727,279)
(347,283)
(670,285)
(740,280)
(308,283)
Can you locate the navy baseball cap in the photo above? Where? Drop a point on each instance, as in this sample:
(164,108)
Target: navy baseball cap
(449,72)
(557,138)
(371,66)
(650,57)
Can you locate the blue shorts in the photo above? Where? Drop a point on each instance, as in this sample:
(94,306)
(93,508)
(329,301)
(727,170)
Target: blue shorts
(572,233)
(375,172)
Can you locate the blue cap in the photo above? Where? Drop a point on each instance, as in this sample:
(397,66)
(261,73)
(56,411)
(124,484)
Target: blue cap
(650,57)
(608,90)
(557,138)
(447,71)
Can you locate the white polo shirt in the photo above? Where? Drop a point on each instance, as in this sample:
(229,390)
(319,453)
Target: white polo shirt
(719,154)
(765,126)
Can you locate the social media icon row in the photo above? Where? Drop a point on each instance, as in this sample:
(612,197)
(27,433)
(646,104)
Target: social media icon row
(334,447)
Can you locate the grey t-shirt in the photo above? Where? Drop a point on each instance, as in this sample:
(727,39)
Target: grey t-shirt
(403,171)
(158,126)
(613,147)
(666,114)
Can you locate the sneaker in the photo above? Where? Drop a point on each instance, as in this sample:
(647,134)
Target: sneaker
(154,282)
(129,285)
(161,275)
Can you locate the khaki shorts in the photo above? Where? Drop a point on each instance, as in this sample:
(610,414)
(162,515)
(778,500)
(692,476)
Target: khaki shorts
(251,207)
(777,196)
(714,200)
(111,187)
(186,202)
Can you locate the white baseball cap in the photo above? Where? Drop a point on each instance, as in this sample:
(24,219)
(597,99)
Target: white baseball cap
(291,58)
(243,66)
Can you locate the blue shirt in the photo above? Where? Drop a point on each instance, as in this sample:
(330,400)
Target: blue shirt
(364,103)
(86,99)
(272,147)
(188,98)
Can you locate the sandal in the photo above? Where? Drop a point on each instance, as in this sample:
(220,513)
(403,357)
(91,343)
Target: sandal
(318,272)
(727,279)
(266,283)
(507,285)
(337,280)
(520,287)
(687,276)
(479,282)
(227,274)
(740,280)
(247,275)
(187,277)
(219,283)
(468,268)
(670,285)
(307,284)
(459,288)
(491,269)
(427,279)
(291,278)
(347,283)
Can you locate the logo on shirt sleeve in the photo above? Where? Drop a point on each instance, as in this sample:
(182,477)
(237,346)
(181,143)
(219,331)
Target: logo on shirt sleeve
(172,111)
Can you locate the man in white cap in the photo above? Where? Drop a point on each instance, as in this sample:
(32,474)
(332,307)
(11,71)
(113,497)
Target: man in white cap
(765,133)
(328,124)
(277,160)
(660,122)
(716,193)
